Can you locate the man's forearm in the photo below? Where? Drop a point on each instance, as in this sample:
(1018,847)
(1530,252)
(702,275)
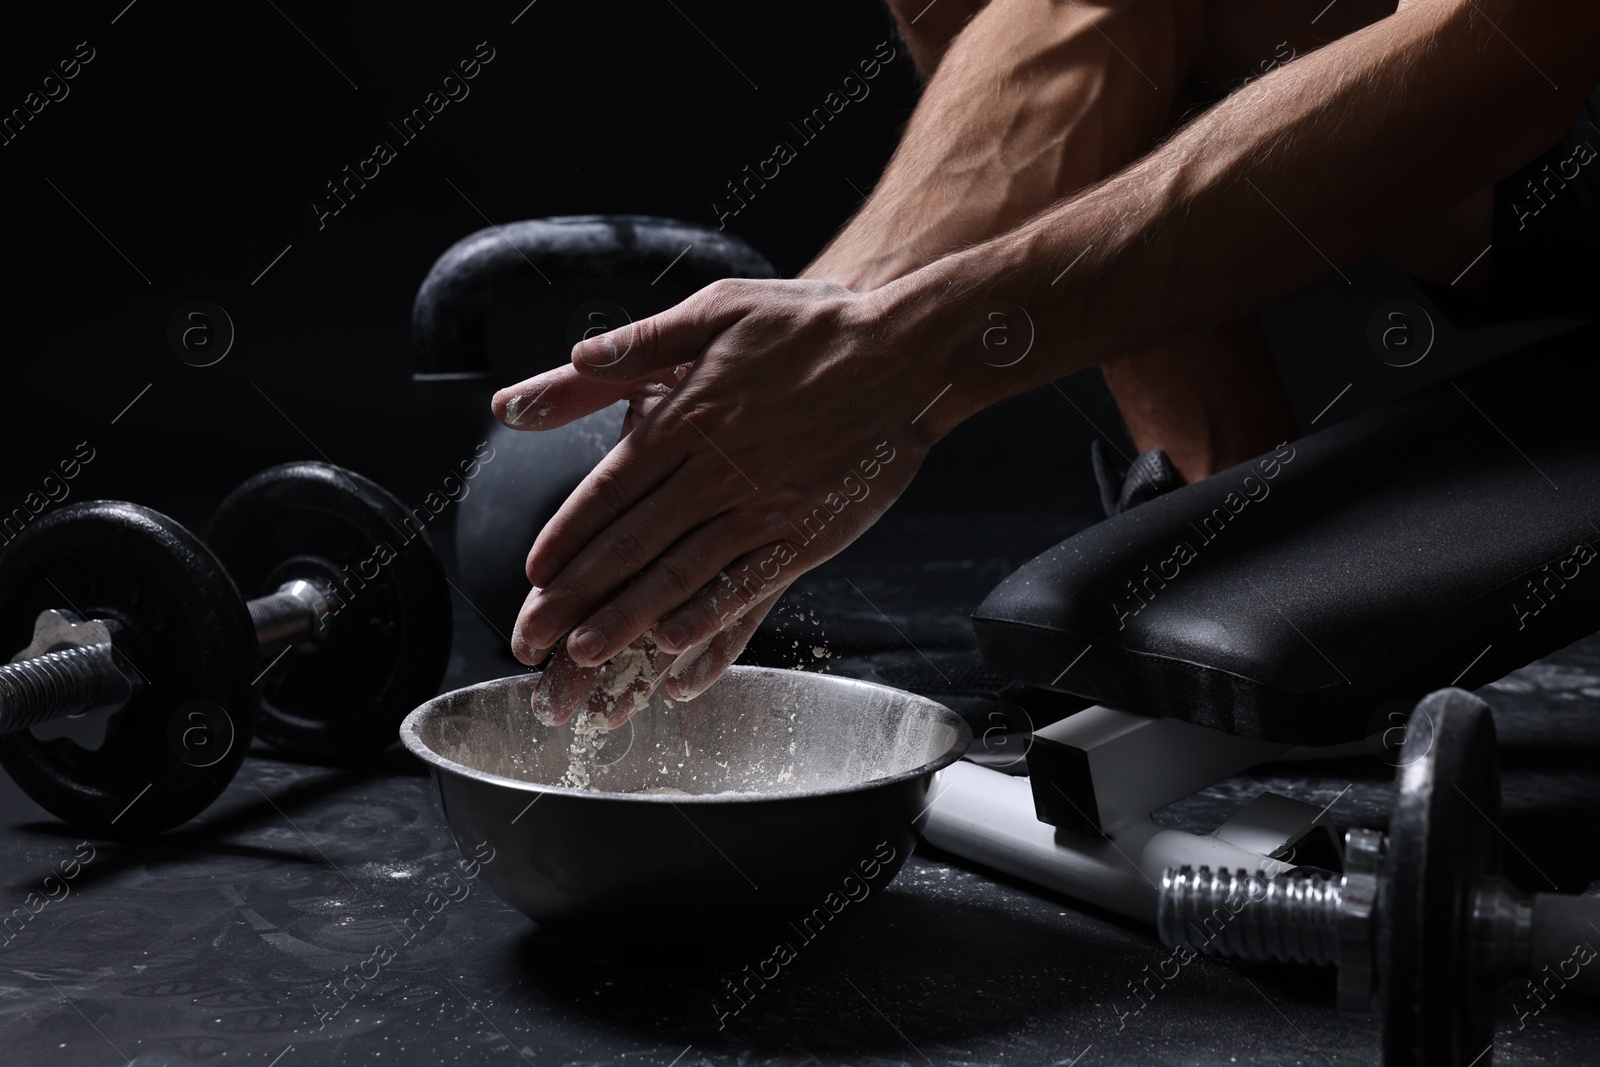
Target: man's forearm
(1035,100)
(1311,167)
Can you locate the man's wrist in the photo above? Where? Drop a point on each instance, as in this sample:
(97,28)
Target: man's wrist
(983,325)
(926,319)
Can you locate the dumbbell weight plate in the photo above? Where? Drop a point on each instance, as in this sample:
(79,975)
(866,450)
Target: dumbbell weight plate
(388,634)
(182,625)
(1442,837)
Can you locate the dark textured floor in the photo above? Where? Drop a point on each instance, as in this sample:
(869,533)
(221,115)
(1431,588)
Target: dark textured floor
(217,943)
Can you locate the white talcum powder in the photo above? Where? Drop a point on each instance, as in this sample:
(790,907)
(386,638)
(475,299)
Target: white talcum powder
(620,689)
(622,673)
(618,680)
(588,738)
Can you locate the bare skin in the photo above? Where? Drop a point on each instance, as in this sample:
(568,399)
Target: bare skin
(791,386)
(1039,100)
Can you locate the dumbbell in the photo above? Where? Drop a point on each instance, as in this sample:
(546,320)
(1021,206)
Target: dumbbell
(134,697)
(1421,926)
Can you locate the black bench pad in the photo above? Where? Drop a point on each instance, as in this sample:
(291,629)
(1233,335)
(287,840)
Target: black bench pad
(1450,538)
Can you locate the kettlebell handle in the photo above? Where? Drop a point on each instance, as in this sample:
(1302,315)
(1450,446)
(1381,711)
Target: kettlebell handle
(449,318)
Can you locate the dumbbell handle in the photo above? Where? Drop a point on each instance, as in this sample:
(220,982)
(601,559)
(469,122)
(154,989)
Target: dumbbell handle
(76,678)
(296,613)
(1565,939)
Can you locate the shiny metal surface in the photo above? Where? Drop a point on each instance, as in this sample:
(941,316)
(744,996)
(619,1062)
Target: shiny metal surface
(1250,916)
(1358,901)
(295,614)
(1499,931)
(798,786)
(66,671)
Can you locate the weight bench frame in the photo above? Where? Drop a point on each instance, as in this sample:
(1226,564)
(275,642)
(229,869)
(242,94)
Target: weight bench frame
(1081,822)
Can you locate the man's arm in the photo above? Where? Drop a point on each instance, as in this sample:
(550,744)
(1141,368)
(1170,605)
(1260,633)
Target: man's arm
(1313,166)
(1038,99)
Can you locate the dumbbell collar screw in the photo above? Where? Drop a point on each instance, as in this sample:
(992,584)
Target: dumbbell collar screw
(1501,930)
(69,669)
(1358,900)
(314,597)
(55,631)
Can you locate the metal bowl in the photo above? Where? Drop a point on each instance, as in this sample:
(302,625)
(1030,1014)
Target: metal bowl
(797,792)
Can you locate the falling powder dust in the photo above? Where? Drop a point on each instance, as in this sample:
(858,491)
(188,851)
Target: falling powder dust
(623,685)
(588,738)
(619,680)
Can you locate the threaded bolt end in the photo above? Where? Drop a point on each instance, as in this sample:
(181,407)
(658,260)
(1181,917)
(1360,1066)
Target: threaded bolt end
(41,688)
(1249,916)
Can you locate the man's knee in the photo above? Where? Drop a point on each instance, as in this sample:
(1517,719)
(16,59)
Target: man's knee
(1244,39)
(1166,33)
(928,27)
(1177,26)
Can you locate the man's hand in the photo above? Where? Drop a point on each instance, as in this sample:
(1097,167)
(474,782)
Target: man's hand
(770,424)
(639,670)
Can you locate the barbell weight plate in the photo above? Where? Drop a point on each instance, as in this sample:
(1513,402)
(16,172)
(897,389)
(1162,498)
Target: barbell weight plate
(181,624)
(389,627)
(1442,838)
